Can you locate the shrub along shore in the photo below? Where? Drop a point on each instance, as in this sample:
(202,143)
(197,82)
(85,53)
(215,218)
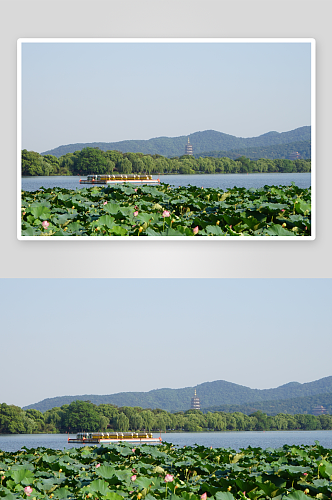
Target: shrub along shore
(126,210)
(85,416)
(94,161)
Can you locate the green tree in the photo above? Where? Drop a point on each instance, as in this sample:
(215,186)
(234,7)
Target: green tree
(281,423)
(160,423)
(107,410)
(307,422)
(54,162)
(124,166)
(53,419)
(92,161)
(262,421)
(81,416)
(178,421)
(38,419)
(240,420)
(302,165)
(148,164)
(160,165)
(325,421)
(11,419)
(114,156)
(192,423)
(148,419)
(121,423)
(68,164)
(31,163)
(230,422)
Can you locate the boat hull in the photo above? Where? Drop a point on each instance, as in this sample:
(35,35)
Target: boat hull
(122,181)
(125,440)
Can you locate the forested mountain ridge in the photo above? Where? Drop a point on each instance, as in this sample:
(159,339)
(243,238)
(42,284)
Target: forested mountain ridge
(282,151)
(208,140)
(211,394)
(292,406)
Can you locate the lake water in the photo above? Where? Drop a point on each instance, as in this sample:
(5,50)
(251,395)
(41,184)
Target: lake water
(234,440)
(222,181)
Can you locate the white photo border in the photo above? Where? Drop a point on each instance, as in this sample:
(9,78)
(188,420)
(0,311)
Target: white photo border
(312,42)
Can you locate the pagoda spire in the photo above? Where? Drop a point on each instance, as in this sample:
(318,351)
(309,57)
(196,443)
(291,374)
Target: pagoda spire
(188,149)
(195,403)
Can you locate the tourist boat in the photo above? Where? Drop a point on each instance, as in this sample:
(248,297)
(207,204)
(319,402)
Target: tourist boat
(119,178)
(114,437)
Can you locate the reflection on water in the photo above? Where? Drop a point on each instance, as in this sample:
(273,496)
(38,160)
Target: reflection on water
(222,181)
(234,440)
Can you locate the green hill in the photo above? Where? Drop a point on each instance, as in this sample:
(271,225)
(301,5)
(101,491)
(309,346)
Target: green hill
(208,140)
(291,406)
(274,152)
(211,394)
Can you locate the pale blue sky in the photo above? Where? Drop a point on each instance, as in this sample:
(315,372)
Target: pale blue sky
(94,336)
(107,92)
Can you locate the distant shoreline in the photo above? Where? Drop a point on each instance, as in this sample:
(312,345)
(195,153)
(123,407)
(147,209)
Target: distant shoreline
(177,173)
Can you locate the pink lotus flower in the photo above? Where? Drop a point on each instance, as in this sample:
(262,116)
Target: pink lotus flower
(135,190)
(165,213)
(195,230)
(136,213)
(133,450)
(305,473)
(105,202)
(282,209)
(203,497)
(133,478)
(28,490)
(169,478)
(45,224)
(97,465)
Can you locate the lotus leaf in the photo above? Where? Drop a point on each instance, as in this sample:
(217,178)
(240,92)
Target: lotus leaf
(40,212)
(23,476)
(297,495)
(100,486)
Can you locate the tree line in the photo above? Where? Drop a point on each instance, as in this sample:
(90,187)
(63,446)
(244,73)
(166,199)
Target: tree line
(86,416)
(94,161)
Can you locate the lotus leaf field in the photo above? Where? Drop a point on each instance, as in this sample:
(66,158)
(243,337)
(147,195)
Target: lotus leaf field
(163,210)
(114,472)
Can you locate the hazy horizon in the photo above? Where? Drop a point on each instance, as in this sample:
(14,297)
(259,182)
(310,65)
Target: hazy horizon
(141,89)
(105,336)
(183,135)
(176,388)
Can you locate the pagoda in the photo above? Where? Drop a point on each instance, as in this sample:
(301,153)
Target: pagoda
(188,149)
(319,410)
(295,155)
(195,404)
